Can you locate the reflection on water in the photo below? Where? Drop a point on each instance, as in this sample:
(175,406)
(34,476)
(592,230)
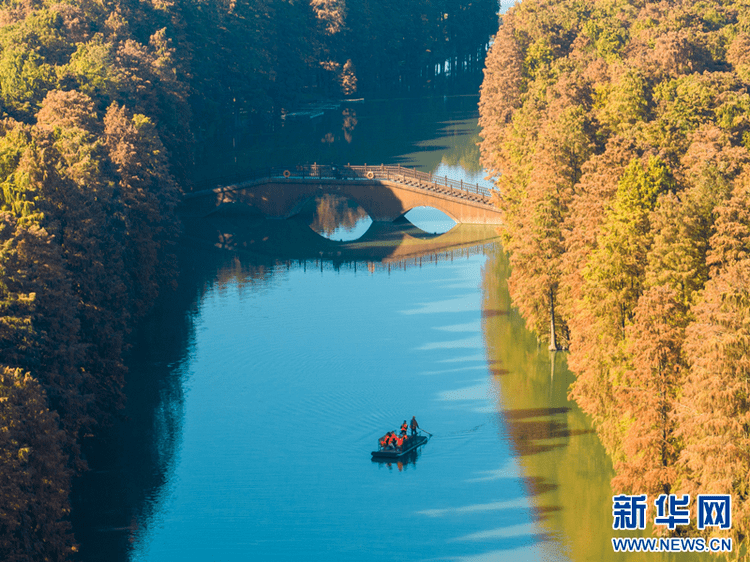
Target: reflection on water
(415,132)
(459,173)
(382,246)
(337,218)
(349,123)
(565,468)
(406,462)
(430,220)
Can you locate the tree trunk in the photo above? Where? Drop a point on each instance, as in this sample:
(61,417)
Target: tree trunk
(552,339)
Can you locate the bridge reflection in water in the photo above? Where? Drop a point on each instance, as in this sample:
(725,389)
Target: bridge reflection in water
(385,245)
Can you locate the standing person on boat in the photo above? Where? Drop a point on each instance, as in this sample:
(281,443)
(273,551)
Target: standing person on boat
(399,443)
(414,426)
(403,428)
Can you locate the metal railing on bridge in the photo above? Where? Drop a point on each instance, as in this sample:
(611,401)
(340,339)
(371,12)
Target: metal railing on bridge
(398,173)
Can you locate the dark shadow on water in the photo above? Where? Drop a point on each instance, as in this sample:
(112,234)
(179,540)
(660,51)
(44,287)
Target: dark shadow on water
(497,368)
(536,485)
(535,412)
(450,127)
(491,313)
(131,462)
(545,512)
(530,427)
(502,543)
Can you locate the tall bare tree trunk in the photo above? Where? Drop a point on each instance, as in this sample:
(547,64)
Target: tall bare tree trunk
(552,339)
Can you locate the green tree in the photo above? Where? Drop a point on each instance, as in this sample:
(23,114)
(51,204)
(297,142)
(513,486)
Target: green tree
(615,270)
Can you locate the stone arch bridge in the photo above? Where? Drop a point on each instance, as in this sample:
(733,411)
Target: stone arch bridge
(386,193)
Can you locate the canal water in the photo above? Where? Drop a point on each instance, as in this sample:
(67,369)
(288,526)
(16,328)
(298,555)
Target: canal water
(257,391)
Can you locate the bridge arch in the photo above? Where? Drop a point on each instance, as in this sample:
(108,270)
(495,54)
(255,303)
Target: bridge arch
(334,216)
(446,213)
(304,203)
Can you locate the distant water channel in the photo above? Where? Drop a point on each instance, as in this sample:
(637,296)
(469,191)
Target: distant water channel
(257,391)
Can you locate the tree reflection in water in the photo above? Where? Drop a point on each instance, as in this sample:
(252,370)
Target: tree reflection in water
(336,216)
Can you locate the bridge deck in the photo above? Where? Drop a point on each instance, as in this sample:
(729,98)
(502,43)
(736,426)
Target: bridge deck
(444,185)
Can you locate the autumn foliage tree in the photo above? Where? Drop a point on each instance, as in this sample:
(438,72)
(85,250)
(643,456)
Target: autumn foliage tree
(36,478)
(642,216)
(77,261)
(647,390)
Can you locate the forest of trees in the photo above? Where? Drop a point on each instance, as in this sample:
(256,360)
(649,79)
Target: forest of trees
(102,105)
(618,132)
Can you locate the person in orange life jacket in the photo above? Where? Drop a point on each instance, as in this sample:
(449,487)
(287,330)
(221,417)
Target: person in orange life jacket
(414,425)
(383,441)
(391,439)
(403,428)
(399,442)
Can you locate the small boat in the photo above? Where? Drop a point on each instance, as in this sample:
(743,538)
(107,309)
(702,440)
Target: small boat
(412,444)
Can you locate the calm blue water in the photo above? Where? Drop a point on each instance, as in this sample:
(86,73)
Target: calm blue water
(287,388)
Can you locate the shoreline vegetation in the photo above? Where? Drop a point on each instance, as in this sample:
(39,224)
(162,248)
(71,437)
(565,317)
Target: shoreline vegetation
(103,105)
(618,133)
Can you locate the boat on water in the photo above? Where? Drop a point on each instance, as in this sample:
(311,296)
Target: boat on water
(390,453)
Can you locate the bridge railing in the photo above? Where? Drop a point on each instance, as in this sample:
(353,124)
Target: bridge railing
(396,173)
